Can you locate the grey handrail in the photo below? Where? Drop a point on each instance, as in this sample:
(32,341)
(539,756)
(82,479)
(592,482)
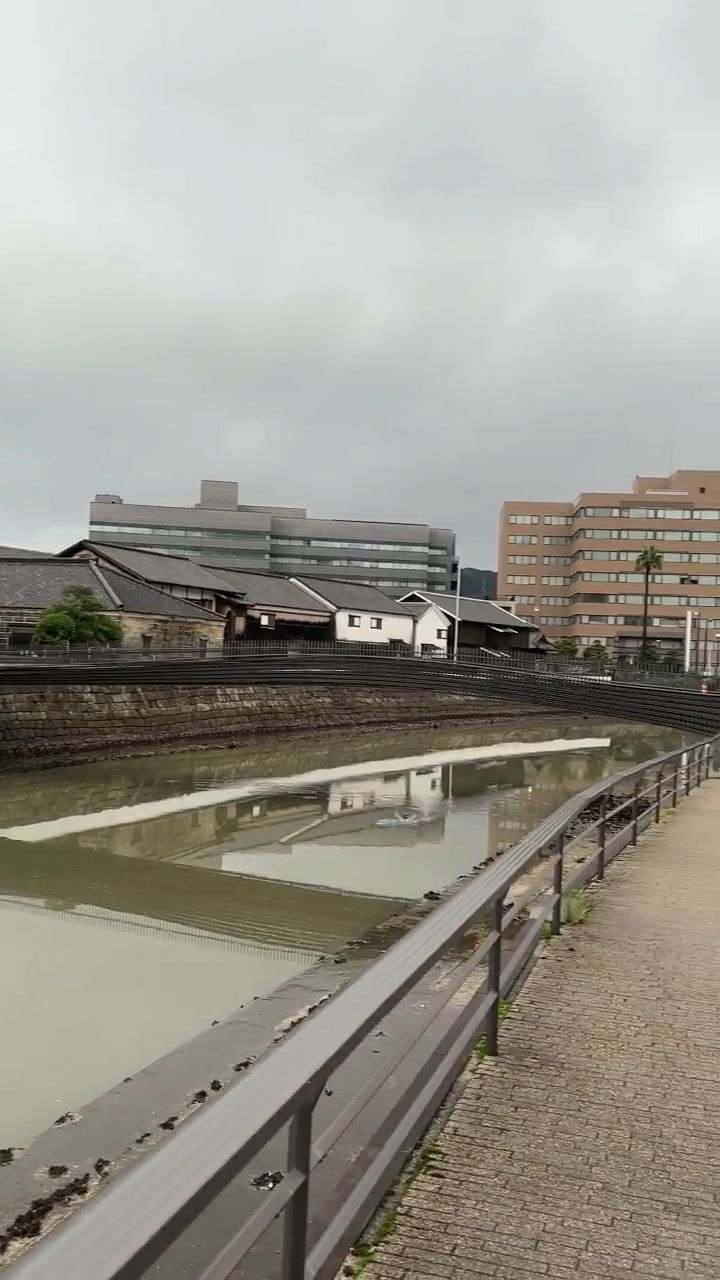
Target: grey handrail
(118,1235)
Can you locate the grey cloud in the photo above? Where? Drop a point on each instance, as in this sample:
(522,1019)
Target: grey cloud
(385,259)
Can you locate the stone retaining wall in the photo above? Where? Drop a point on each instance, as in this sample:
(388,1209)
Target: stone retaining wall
(61,724)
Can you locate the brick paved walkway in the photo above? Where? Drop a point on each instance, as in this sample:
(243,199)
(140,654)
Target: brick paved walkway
(591,1147)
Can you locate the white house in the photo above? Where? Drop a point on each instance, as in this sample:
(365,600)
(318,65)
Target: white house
(481,624)
(362,614)
(419,790)
(431,627)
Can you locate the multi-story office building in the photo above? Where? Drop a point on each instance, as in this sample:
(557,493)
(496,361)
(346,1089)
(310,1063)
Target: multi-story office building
(394,557)
(571,565)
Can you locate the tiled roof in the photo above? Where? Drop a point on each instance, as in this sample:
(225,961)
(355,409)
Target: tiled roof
(138,597)
(471,610)
(352,595)
(419,608)
(270,590)
(14,553)
(38,584)
(176,571)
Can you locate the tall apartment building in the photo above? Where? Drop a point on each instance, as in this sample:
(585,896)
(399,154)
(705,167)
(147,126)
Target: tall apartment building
(218,529)
(571,565)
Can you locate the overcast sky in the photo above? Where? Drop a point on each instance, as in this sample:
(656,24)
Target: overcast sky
(391,259)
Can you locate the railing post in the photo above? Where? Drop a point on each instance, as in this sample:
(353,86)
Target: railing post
(688,772)
(708,756)
(558,885)
(635,809)
(295,1224)
(658,793)
(494,971)
(601,838)
(676,776)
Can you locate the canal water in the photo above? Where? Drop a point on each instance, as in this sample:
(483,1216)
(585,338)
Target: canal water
(140,900)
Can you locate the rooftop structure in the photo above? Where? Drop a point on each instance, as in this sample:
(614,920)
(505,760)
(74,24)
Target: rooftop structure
(390,555)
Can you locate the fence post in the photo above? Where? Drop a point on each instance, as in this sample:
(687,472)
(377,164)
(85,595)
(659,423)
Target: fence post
(676,772)
(295,1223)
(708,755)
(688,772)
(601,838)
(494,971)
(635,809)
(558,884)
(658,793)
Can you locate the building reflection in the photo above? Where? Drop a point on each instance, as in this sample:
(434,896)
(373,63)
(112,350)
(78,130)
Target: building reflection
(391,810)
(298,871)
(409,805)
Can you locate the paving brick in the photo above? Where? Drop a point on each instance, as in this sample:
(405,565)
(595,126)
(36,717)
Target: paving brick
(591,1147)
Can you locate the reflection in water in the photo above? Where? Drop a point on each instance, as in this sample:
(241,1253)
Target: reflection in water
(126,939)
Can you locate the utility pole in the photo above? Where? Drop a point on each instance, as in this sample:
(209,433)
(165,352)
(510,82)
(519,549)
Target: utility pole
(456,631)
(688,639)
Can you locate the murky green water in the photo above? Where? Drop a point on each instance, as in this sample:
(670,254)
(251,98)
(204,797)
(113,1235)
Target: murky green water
(140,900)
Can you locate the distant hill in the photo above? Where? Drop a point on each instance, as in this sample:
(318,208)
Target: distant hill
(479,583)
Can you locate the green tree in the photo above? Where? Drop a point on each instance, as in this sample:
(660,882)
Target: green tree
(596,653)
(649,561)
(78,617)
(565,647)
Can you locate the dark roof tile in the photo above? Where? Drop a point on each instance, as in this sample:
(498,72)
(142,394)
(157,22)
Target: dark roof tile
(270,590)
(353,595)
(472,610)
(138,597)
(38,584)
(176,571)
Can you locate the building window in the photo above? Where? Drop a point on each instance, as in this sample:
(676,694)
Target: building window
(523,519)
(558,519)
(353,619)
(442,633)
(376,624)
(20,637)
(146,643)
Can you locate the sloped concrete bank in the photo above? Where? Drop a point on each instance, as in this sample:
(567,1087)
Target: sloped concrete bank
(73,1159)
(59,724)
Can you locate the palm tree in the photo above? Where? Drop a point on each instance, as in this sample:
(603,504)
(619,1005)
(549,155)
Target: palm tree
(648,561)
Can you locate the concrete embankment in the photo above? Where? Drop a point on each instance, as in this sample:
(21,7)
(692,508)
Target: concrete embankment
(83,1150)
(42,726)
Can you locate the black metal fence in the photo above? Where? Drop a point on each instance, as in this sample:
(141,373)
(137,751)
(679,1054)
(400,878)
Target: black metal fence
(520,659)
(583,693)
(124,1231)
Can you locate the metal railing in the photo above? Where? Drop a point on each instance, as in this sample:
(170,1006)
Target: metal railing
(122,1233)
(522,659)
(582,693)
